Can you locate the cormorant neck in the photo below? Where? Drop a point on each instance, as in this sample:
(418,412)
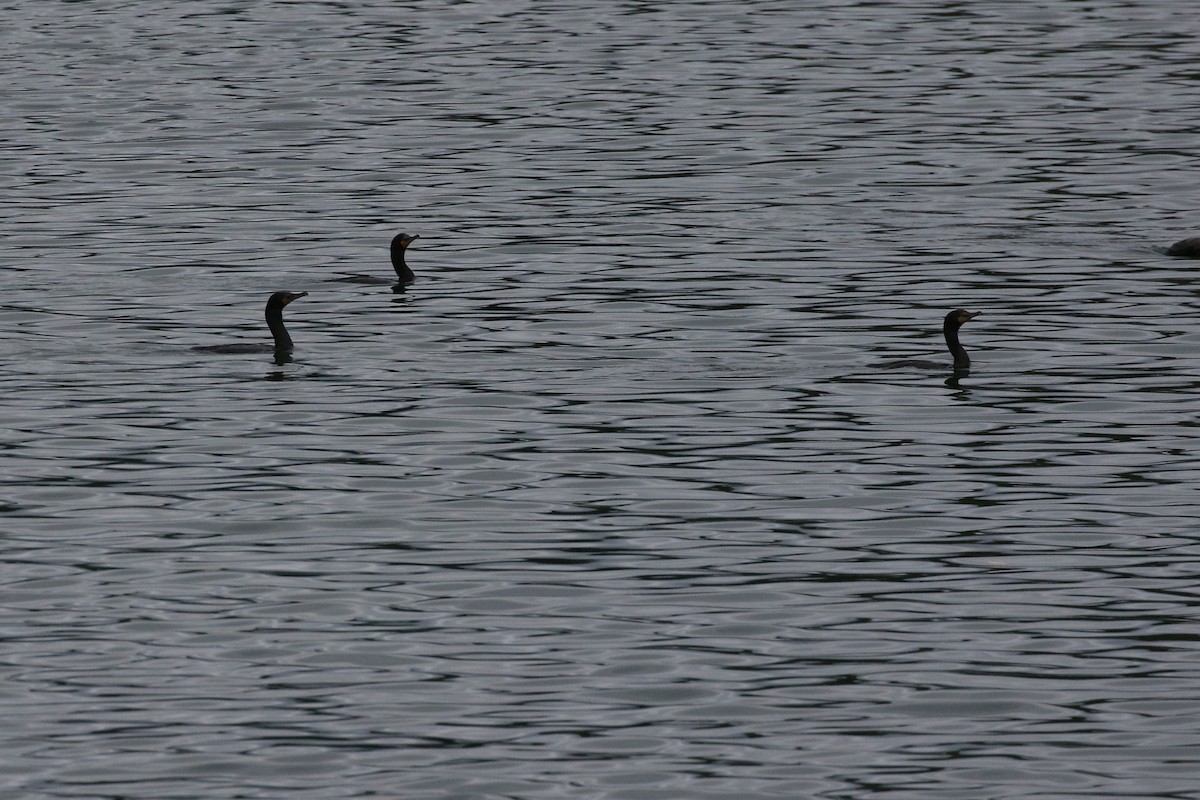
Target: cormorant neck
(402,271)
(961,359)
(283,342)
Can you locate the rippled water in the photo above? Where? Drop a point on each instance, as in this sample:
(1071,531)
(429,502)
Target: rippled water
(613,502)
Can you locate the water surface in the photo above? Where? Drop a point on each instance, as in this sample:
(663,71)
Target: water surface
(614,501)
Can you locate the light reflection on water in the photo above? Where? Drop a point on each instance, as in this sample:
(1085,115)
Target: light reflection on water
(613,500)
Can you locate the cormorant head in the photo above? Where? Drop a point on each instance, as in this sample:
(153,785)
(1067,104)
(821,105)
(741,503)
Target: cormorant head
(960,317)
(281,299)
(403,240)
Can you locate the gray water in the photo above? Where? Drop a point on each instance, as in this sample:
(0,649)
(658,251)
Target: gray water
(614,502)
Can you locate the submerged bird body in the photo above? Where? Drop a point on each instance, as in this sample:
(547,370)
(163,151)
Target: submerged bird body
(274,314)
(1186,248)
(404,275)
(954,320)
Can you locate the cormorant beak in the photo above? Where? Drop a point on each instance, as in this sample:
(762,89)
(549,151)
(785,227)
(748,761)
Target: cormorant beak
(294,296)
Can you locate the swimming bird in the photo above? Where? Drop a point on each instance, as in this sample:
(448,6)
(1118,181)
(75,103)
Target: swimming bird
(274,314)
(954,320)
(1186,248)
(404,275)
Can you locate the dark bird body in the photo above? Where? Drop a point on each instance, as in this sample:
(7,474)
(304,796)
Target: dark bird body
(954,320)
(274,314)
(404,275)
(1185,248)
